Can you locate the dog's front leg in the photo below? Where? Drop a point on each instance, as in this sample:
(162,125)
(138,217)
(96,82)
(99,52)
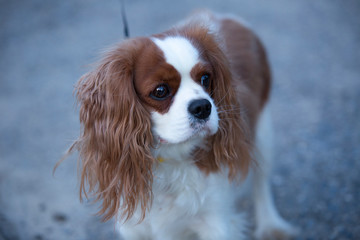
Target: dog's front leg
(269,223)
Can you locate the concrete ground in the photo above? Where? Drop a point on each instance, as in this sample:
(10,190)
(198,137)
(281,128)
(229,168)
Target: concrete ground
(45,46)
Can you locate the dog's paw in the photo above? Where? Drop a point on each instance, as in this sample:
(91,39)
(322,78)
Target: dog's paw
(280,230)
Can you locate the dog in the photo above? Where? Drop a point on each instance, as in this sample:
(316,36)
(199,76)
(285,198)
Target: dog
(173,126)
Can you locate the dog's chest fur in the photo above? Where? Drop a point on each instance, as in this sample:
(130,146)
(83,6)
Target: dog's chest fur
(181,188)
(179,184)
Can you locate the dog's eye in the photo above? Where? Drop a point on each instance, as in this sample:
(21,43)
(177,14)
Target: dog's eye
(161,92)
(205,80)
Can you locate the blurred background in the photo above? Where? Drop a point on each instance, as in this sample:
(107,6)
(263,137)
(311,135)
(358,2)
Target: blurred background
(45,46)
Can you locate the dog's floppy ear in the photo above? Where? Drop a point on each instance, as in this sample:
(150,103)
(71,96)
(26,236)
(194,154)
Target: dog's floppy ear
(231,145)
(114,146)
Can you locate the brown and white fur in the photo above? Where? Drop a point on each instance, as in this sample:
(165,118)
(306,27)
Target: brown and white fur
(172,125)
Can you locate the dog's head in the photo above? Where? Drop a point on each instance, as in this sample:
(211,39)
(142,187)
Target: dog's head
(176,87)
(147,93)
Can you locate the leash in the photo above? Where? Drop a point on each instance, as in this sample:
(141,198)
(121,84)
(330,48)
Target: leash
(124,20)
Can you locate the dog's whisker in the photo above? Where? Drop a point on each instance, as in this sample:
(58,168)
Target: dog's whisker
(222,99)
(229,110)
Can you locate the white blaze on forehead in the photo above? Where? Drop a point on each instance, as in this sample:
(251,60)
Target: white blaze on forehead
(179,52)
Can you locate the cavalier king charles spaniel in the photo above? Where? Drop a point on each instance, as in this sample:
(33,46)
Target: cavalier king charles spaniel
(173,125)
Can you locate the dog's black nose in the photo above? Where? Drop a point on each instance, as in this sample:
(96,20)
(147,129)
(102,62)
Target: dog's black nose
(200,109)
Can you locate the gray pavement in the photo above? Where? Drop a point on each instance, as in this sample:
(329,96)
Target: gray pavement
(45,46)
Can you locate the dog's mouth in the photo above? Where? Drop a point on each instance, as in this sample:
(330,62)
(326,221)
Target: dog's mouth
(198,130)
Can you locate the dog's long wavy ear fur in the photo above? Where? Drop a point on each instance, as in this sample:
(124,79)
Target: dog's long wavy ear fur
(114,146)
(231,145)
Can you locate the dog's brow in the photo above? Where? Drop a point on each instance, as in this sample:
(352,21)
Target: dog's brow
(179,52)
